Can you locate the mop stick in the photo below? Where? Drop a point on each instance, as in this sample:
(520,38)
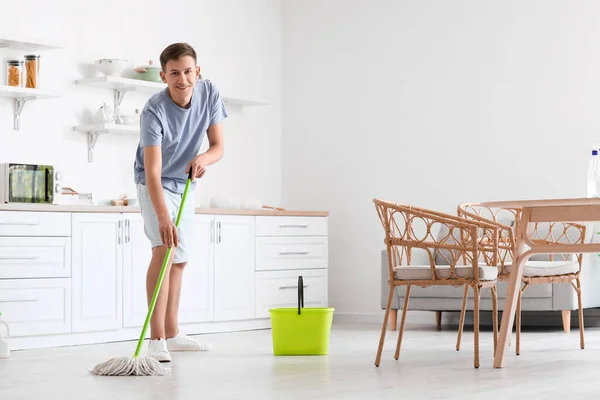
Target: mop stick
(136,365)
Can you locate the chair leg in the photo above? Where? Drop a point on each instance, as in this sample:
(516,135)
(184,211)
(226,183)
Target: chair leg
(518,325)
(566,318)
(476,322)
(438,318)
(518,347)
(462,317)
(404,310)
(581,341)
(495,315)
(393,319)
(384,328)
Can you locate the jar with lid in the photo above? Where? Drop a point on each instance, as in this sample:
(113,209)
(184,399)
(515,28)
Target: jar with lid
(14,73)
(32,71)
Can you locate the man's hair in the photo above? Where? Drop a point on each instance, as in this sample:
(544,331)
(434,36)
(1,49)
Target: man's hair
(174,52)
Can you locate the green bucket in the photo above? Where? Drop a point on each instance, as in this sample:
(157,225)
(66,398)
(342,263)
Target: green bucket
(301,331)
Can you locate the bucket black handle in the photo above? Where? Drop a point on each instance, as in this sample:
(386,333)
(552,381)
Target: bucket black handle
(300,294)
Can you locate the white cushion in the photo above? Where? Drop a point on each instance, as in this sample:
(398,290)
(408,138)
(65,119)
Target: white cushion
(423,272)
(548,268)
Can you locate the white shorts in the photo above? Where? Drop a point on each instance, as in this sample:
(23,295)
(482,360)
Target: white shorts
(186,224)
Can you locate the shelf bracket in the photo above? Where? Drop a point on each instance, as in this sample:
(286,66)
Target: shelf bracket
(119,95)
(18,107)
(92,138)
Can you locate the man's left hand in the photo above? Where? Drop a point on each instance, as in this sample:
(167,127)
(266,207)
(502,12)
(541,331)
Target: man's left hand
(198,166)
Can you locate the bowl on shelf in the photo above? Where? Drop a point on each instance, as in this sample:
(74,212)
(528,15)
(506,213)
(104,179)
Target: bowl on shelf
(150,73)
(128,119)
(111,66)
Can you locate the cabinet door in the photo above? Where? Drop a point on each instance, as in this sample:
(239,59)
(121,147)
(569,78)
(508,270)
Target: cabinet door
(36,306)
(137,253)
(97,261)
(234,268)
(196,303)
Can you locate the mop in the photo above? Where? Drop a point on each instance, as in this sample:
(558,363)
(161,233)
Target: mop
(136,365)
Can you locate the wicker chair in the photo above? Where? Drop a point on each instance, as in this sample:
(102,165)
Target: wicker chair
(407,228)
(553,268)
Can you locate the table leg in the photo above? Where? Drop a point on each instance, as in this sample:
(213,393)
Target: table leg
(512,292)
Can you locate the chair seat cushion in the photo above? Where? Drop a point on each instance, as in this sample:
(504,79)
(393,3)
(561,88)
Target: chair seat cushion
(548,268)
(423,272)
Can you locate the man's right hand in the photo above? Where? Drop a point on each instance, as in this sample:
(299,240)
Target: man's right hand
(168,232)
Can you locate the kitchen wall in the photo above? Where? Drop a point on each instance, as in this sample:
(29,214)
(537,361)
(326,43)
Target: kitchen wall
(431,103)
(239,48)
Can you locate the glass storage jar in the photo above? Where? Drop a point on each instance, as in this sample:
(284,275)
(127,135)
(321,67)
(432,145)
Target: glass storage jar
(32,71)
(14,73)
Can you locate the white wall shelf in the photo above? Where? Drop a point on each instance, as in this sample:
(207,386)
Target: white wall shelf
(26,44)
(20,96)
(119,84)
(96,130)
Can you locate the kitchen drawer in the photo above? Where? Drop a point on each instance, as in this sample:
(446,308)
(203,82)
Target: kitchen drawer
(36,306)
(275,289)
(291,226)
(283,253)
(35,257)
(25,223)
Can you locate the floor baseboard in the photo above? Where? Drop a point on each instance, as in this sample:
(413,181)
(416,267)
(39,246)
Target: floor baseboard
(532,319)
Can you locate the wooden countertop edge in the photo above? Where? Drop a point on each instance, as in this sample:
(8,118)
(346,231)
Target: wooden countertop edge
(134,209)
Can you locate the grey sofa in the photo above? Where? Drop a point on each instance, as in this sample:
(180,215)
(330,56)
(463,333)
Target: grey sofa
(549,297)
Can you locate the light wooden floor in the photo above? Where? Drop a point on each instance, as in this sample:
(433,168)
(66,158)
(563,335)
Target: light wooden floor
(241,365)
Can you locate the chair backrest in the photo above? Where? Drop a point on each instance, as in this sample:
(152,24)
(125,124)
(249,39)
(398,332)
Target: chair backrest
(557,232)
(506,219)
(509,219)
(408,227)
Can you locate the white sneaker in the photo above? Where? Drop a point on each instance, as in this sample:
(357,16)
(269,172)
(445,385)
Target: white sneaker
(157,349)
(182,342)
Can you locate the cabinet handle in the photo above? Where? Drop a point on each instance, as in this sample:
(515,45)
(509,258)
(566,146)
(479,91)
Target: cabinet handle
(17,300)
(219,231)
(293,253)
(291,287)
(293,226)
(20,223)
(119,232)
(20,258)
(127,231)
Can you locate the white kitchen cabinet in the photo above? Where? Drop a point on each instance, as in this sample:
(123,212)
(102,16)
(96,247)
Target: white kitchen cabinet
(196,302)
(35,257)
(35,223)
(35,307)
(97,277)
(234,267)
(197,289)
(137,253)
(80,277)
(275,289)
(288,247)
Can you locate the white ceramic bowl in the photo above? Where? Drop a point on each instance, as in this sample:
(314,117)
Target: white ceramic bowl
(110,66)
(129,119)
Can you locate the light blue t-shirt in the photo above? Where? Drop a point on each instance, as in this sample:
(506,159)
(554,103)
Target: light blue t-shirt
(179,132)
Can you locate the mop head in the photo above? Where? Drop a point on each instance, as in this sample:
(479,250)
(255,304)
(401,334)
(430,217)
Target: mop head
(131,366)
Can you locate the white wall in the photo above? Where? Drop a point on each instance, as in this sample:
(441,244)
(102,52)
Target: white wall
(431,103)
(239,48)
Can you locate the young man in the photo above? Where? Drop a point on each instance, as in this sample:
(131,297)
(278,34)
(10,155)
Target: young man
(173,125)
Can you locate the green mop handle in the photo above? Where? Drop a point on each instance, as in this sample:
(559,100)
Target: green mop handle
(162,271)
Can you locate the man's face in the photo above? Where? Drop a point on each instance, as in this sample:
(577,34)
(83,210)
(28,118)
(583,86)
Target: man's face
(181,75)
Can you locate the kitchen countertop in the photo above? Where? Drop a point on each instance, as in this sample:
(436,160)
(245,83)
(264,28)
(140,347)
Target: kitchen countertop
(135,209)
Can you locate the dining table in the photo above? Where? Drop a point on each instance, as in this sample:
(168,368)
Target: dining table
(582,210)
